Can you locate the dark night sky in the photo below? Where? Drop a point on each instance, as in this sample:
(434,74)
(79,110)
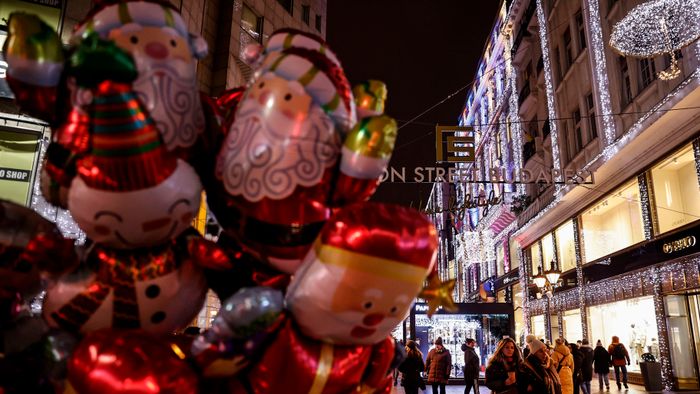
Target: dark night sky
(423,50)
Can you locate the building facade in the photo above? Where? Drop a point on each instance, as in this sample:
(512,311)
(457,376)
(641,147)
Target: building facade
(609,198)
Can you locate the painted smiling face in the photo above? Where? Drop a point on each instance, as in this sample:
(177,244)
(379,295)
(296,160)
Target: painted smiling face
(139,218)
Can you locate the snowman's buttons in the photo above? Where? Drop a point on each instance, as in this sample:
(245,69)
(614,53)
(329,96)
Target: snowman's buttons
(152,291)
(158,317)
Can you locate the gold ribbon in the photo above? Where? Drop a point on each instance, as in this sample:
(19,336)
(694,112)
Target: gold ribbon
(325,362)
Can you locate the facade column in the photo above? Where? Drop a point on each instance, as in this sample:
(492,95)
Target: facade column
(560,320)
(578,248)
(647,216)
(524,282)
(664,351)
(548,320)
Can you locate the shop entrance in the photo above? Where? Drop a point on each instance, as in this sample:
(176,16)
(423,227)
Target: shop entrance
(484,322)
(683,320)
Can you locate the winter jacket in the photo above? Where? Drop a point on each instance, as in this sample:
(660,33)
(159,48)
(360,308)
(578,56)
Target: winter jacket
(438,365)
(535,378)
(601,358)
(410,369)
(578,362)
(619,361)
(587,364)
(564,363)
(471,363)
(497,374)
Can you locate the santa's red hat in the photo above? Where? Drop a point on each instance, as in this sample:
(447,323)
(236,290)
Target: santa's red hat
(382,239)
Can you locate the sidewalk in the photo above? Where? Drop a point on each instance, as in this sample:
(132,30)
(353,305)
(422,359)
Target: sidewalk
(456,389)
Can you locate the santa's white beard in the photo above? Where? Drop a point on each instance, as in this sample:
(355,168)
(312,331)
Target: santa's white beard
(267,155)
(169,91)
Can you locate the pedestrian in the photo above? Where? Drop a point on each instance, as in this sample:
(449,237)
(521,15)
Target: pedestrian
(578,363)
(537,373)
(601,361)
(586,367)
(411,368)
(438,365)
(620,359)
(472,366)
(564,364)
(502,368)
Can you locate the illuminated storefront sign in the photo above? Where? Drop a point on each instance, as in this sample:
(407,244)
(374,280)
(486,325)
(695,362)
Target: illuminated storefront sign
(17,159)
(679,244)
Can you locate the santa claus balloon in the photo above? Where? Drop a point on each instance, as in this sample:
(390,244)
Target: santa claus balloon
(356,284)
(295,152)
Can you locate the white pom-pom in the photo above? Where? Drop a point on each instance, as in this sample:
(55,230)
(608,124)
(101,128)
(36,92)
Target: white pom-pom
(252,53)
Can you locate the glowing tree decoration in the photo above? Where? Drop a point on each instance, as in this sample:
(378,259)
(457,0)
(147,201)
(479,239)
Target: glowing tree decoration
(658,27)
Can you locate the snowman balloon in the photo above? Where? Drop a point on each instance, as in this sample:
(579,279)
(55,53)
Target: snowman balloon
(135,200)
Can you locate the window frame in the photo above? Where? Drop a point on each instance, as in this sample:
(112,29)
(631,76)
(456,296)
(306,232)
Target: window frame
(306,14)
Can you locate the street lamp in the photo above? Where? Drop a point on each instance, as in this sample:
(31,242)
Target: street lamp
(546,284)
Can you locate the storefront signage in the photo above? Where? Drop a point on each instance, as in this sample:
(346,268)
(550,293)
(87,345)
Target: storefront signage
(48,3)
(679,244)
(459,210)
(446,149)
(13,174)
(423,308)
(508,279)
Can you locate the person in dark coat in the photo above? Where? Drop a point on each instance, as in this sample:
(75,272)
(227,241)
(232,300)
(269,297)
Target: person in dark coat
(578,364)
(411,368)
(537,373)
(472,366)
(502,368)
(601,361)
(586,366)
(439,365)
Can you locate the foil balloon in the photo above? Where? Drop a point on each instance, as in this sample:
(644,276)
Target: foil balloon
(164,54)
(135,200)
(291,154)
(356,284)
(134,362)
(31,247)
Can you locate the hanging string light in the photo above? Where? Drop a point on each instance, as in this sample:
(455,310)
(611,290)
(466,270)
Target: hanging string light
(658,27)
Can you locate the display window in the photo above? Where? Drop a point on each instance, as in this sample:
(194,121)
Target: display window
(547,251)
(518,313)
(454,329)
(538,327)
(633,321)
(500,259)
(613,223)
(514,255)
(565,246)
(535,258)
(676,190)
(681,332)
(572,329)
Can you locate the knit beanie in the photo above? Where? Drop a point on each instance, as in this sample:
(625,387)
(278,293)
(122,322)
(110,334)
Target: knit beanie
(534,344)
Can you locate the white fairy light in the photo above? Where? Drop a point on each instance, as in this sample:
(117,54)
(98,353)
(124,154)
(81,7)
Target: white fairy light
(542,22)
(657,27)
(600,73)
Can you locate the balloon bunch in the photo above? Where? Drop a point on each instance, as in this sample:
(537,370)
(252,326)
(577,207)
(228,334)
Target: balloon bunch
(287,163)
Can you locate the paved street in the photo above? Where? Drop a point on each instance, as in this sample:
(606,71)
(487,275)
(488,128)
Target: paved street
(634,389)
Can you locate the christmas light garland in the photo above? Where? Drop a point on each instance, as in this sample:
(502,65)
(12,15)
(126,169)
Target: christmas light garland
(657,27)
(645,205)
(600,72)
(551,109)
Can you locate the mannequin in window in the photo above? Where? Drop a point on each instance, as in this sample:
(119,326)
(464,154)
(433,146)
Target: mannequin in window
(638,341)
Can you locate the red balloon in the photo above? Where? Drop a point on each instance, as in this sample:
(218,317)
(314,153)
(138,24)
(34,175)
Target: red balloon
(134,362)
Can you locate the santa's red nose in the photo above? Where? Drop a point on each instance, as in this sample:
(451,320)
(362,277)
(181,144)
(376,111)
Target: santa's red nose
(156,50)
(373,319)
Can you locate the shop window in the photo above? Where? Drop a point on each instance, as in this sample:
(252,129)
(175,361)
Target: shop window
(676,191)
(613,223)
(572,330)
(538,328)
(547,252)
(581,31)
(679,336)
(566,249)
(518,313)
(535,259)
(648,72)
(318,22)
(251,25)
(18,151)
(633,321)
(514,256)
(592,121)
(454,329)
(500,259)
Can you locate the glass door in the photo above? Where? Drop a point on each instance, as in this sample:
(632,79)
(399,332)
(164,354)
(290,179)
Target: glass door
(681,319)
